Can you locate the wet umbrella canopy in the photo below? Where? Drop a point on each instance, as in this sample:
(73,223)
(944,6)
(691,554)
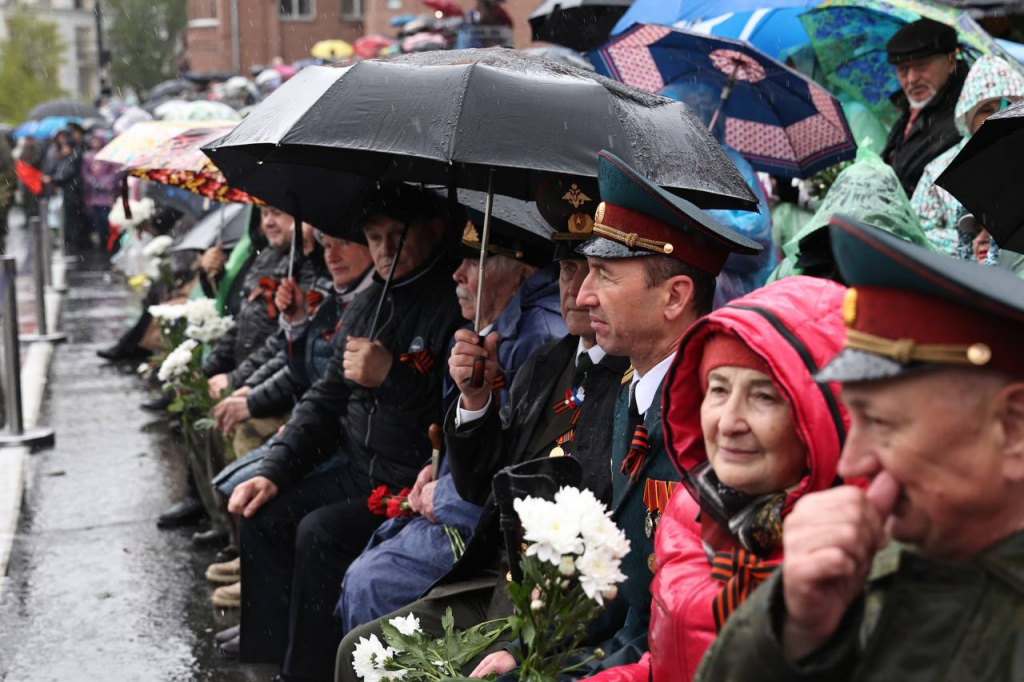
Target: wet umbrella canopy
(579,24)
(225,225)
(447,118)
(985,176)
(63,107)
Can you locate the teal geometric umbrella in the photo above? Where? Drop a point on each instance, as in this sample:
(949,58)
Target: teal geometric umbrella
(849,38)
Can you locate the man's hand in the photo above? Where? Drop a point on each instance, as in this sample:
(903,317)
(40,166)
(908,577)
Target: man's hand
(366,362)
(422,479)
(212,261)
(217,384)
(229,412)
(500,662)
(251,495)
(291,301)
(829,542)
(241,392)
(460,365)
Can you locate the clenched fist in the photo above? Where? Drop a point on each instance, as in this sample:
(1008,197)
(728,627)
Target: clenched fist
(830,540)
(366,362)
(291,301)
(460,366)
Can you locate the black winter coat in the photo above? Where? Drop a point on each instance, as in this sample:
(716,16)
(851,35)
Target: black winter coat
(932,133)
(383,430)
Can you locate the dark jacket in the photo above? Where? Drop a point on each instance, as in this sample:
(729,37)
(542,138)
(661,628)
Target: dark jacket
(932,133)
(383,430)
(253,323)
(479,450)
(919,620)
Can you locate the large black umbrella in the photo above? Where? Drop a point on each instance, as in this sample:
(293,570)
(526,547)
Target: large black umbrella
(222,226)
(172,88)
(985,176)
(63,107)
(579,24)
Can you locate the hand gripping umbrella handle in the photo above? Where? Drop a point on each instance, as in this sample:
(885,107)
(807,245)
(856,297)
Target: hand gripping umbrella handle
(476,380)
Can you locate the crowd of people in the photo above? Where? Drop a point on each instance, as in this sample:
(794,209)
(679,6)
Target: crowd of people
(813,441)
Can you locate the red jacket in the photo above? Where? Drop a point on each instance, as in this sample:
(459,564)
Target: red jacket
(795,325)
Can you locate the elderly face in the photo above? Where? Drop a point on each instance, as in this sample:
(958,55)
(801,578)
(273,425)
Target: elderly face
(748,432)
(624,313)
(983,110)
(276,226)
(345,260)
(921,79)
(499,287)
(383,235)
(572,272)
(937,435)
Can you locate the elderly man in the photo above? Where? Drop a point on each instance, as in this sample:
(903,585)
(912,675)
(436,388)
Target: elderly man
(519,313)
(934,383)
(924,54)
(375,404)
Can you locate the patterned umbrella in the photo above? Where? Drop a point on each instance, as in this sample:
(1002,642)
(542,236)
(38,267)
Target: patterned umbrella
(849,38)
(143,138)
(779,120)
(180,162)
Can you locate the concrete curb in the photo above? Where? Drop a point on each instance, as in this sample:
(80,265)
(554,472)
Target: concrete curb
(35,369)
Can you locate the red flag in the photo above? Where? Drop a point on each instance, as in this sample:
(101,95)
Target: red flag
(30,176)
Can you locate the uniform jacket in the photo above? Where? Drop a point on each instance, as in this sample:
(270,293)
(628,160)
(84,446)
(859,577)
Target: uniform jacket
(383,430)
(932,133)
(253,324)
(795,325)
(919,620)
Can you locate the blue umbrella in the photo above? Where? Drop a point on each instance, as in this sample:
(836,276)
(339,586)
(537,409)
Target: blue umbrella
(772,31)
(779,120)
(45,128)
(672,12)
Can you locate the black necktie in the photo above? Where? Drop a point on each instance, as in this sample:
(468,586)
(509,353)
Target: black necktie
(583,365)
(635,418)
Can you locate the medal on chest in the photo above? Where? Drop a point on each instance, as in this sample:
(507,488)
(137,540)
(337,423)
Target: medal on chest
(656,497)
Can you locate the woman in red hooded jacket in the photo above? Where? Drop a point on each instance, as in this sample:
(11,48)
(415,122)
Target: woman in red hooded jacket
(752,432)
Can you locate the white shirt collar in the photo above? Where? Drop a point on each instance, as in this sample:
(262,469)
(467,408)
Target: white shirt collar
(645,387)
(595,352)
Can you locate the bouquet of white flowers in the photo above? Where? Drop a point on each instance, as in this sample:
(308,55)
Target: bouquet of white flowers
(570,567)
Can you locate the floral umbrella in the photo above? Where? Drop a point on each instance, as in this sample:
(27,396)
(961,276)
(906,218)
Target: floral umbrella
(180,162)
(849,39)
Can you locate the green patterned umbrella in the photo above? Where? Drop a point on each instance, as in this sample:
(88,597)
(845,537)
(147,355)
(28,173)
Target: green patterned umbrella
(849,38)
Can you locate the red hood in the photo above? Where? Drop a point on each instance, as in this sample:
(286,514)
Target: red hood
(796,325)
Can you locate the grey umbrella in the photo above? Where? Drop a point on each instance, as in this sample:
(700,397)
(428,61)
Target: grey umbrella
(63,107)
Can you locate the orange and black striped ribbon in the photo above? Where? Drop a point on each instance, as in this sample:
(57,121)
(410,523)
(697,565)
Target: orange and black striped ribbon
(742,572)
(638,449)
(499,382)
(267,287)
(313,299)
(421,361)
(657,494)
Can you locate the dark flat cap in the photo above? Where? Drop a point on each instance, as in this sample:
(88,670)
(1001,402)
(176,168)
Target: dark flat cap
(920,39)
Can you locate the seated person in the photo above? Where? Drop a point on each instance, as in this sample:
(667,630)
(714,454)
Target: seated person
(753,439)
(374,405)
(519,313)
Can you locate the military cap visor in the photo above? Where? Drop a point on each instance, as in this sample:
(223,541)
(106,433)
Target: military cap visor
(909,309)
(920,39)
(637,218)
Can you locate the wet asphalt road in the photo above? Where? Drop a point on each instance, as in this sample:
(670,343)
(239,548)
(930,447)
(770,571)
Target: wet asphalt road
(95,591)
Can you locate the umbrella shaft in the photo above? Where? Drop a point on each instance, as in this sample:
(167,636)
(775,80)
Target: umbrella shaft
(484,239)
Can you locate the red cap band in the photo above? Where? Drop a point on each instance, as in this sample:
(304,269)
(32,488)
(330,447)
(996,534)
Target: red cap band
(685,245)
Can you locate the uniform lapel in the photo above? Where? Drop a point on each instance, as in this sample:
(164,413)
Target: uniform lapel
(652,420)
(546,369)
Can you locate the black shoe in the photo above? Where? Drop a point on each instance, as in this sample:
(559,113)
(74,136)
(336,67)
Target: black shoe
(159,404)
(118,352)
(209,538)
(229,634)
(187,511)
(227,553)
(229,649)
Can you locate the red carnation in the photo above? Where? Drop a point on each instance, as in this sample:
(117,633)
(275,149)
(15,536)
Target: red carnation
(378,500)
(398,506)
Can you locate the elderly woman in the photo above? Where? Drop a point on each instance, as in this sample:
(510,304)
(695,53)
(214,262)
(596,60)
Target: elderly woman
(752,433)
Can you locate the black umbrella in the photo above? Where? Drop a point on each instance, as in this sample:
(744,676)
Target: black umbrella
(171,88)
(985,176)
(579,24)
(63,107)
(224,225)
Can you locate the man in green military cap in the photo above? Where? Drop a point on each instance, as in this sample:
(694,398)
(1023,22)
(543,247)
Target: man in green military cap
(933,380)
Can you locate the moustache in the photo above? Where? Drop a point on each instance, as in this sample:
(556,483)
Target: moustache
(464,294)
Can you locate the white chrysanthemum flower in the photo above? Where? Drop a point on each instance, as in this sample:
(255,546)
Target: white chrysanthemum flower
(369,659)
(552,532)
(157,247)
(201,310)
(168,312)
(142,369)
(599,573)
(600,532)
(177,361)
(409,625)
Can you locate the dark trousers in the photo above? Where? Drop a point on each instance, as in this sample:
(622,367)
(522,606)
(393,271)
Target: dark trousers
(468,609)
(295,552)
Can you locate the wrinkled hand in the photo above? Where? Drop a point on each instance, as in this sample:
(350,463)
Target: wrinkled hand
(291,301)
(229,412)
(422,479)
(460,366)
(500,662)
(251,495)
(366,362)
(829,541)
(212,261)
(217,384)
(241,392)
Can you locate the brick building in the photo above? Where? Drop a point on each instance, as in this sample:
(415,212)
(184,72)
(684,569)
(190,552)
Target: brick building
(235,35)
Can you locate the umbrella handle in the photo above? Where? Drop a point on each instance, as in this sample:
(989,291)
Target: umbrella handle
(476,379)
(387,282)
(726,91)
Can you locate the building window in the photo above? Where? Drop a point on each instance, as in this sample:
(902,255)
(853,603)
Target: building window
(202,13)
(351,9)
(296,9)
